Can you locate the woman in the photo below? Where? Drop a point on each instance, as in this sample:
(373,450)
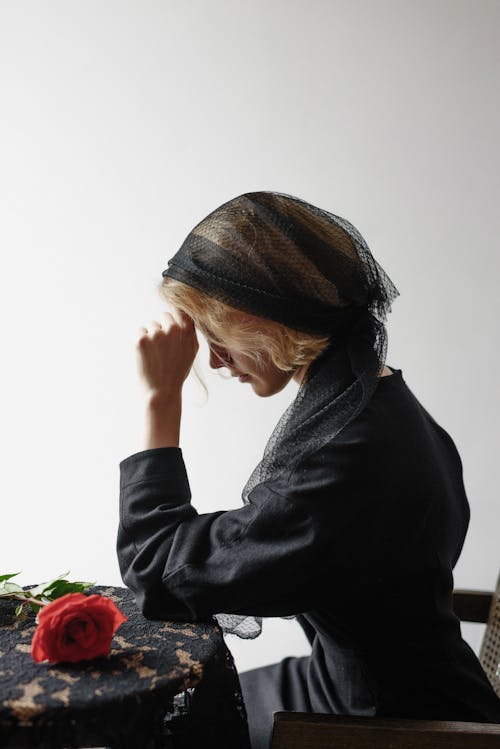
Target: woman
(355,516)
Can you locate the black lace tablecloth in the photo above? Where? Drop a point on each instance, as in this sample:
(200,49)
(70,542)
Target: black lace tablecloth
(164,684)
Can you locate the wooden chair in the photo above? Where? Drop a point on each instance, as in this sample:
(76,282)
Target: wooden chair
(317,731)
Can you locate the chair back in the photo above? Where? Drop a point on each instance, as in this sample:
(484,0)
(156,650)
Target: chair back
(489,654)
(314,731)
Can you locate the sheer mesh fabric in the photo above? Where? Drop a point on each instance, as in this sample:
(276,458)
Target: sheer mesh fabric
(278,257)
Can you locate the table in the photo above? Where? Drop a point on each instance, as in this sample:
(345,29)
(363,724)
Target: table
(164,684)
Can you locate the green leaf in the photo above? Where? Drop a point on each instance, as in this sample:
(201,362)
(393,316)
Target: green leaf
(7,589)
(36,591)
(35,608)
(62,587)
(42,587)
(19,609)
(56,588)
(46,592)
(7,577)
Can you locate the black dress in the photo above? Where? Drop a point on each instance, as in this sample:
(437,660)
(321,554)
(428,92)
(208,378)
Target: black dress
(359,541)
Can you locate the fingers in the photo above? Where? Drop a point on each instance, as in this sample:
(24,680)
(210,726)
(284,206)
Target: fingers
(166,351)
(175,317)
(153,326)
(180,317)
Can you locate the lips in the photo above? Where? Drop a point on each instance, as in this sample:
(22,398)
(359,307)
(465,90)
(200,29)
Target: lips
(241,377)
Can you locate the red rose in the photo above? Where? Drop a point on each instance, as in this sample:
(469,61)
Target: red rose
(75,627)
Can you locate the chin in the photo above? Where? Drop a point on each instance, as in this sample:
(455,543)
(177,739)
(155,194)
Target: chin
(264,390)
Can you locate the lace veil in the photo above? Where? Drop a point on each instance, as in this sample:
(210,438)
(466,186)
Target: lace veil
(278,257)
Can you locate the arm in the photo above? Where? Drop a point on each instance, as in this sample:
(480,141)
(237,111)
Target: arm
(163,419)
(302,535)
(260,559)
(164,359)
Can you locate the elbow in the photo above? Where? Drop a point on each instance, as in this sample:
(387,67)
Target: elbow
(141,578)
(153,598)
(147,592)
(141,572)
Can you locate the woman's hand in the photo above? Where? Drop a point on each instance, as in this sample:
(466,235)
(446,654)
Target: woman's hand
(166,352)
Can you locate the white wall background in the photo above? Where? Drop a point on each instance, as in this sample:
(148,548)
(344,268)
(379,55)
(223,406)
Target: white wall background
(122,125)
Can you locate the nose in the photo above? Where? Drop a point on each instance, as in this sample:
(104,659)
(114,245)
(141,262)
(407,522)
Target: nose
(219,357)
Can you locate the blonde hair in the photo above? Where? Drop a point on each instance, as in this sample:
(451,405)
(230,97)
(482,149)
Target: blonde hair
(222,324)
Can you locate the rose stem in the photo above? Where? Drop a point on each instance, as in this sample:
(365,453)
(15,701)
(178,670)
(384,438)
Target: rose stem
(28,600)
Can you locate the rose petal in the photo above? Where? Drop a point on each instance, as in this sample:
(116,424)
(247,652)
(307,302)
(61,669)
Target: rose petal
(76,627)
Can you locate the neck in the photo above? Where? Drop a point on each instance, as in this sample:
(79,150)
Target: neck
(299,373)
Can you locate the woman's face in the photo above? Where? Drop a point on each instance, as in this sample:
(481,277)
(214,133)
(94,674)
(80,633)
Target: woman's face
(265,380)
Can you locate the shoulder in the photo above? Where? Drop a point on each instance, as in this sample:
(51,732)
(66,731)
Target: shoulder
(378,441)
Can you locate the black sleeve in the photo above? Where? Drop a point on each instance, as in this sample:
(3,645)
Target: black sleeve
(260,559)
(341,522)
